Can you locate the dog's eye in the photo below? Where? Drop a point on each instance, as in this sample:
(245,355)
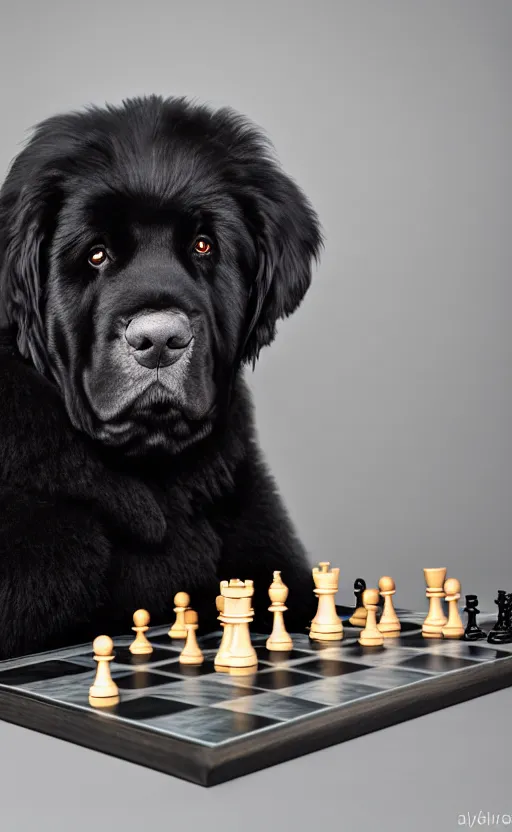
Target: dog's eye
(202,246)
(97,256)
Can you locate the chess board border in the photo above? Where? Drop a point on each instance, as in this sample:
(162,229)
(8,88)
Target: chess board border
(209,766)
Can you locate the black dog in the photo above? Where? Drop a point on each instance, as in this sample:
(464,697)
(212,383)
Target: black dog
(146,253)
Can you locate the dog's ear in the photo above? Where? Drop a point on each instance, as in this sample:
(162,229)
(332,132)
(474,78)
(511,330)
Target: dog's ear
(25,222)
(288,241)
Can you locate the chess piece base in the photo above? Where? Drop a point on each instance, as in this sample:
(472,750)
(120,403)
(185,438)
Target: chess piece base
(500,637)
(104,693)
(318,636)
(242,671)
(279,646)
(358,620)
(393,627)
(140,649)
(370,641)
(242,661)
(475,635)
(390,633)
(191,659)
(103,701)
(433,629)
(455,632)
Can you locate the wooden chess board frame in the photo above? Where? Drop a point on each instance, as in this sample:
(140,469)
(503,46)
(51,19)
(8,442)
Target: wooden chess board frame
(208,766)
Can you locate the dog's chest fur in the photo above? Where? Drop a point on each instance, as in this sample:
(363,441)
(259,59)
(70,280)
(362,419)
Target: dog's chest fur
(163,531)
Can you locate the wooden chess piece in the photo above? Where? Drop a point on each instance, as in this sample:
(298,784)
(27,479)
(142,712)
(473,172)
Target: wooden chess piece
(436,619)
(140,645)
(222,656)
(238,613)
(219,603)
(371,636)
(472,632)
(191,653)
(454,627)
(389,624)
(326,625)
(103,691)
(279,638)
(181,604)
(358,619)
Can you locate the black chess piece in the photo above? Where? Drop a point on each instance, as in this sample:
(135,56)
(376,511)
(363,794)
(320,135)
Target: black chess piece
(359,588)
(472,631)
(501,633)
(358,617)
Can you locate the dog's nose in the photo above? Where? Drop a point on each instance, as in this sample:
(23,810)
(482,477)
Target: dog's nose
(159,338)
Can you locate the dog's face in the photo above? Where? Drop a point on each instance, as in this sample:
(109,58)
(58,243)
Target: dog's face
(146,253)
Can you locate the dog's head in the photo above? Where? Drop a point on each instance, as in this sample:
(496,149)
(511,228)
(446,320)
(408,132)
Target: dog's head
(146,252)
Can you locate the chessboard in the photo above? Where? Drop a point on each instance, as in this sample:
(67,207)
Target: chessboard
(208,727)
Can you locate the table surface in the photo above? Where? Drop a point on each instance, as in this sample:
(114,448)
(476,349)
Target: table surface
(421,775)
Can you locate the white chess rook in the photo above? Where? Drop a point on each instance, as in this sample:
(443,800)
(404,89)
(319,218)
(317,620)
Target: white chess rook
(326,625)
(236,649)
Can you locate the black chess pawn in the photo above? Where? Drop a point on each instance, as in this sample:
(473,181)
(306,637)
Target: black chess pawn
(472,631)
(358,619)
(501,633)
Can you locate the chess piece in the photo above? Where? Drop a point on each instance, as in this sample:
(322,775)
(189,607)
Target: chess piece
(472,631)
(219,603)
(371,636)
(389,624)
(326,625)
(454,627)
(181,604)
(358,619)
(236,649)
(222,656)
(104,690)
(436,619)
(279,639)
(501,633)
(140,645)
(191,653)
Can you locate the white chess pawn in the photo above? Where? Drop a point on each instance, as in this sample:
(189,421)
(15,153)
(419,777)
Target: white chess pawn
(191,653)
(370,636)
(454,627)
(436,619)
(104,691)
(181,603)
(389,624)
(279,638)
(140,645)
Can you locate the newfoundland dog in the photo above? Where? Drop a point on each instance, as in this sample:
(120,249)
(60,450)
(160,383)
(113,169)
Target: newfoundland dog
(147,251)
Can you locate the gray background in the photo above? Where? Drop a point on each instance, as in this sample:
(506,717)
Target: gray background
(385,405)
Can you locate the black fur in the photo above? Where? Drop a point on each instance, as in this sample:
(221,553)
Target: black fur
(120,486)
